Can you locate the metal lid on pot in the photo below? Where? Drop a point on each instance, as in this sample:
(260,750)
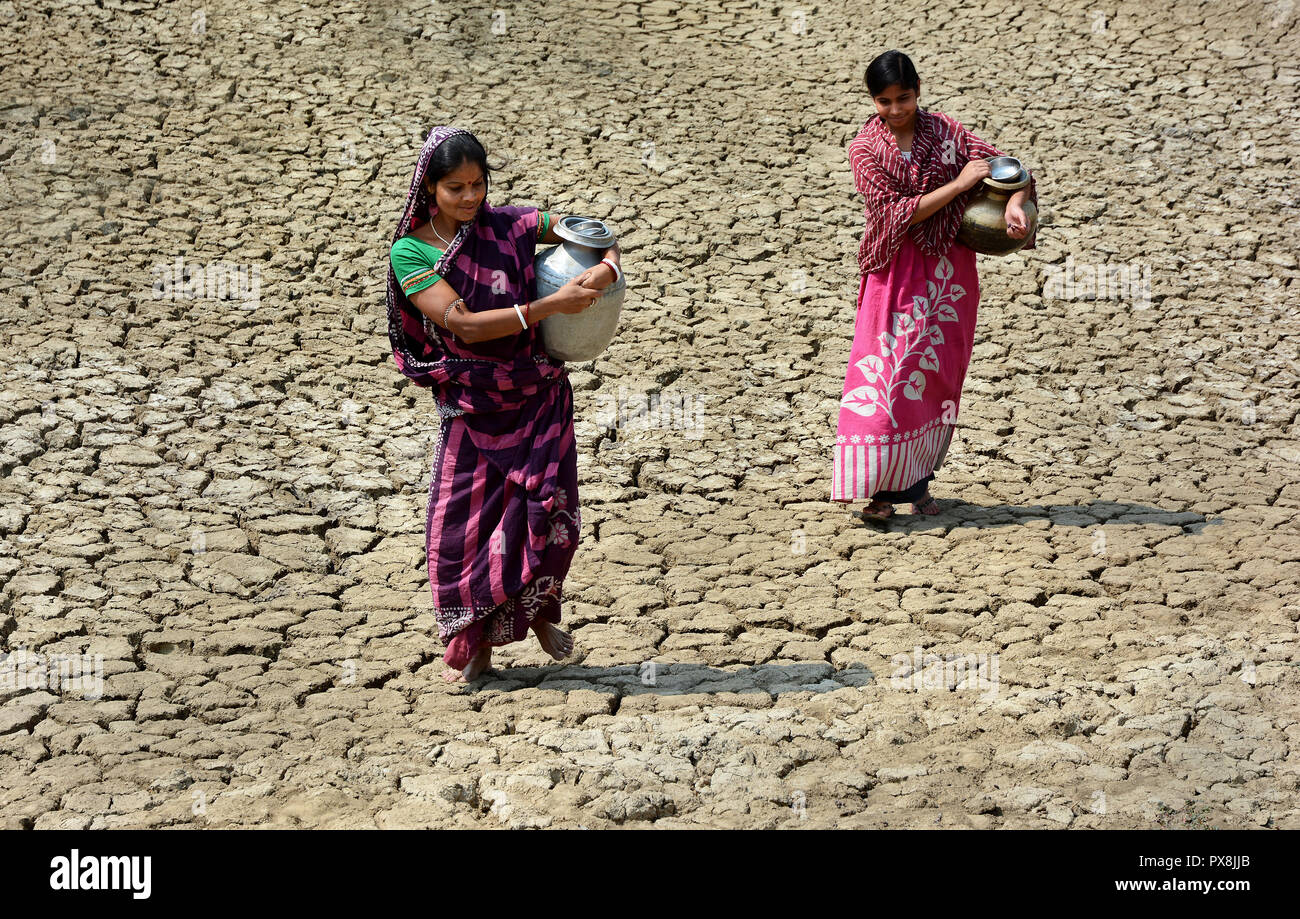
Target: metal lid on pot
(1004,168)
(585,231)
(1006,173)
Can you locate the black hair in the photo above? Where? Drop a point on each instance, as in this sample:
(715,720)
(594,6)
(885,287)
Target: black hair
(890,69)
(453,153)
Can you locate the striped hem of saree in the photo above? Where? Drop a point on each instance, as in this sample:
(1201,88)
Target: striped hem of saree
(861,470)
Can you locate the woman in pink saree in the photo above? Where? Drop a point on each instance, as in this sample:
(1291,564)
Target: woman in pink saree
(917,298)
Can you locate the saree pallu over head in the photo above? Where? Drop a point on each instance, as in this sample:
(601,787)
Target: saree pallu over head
(893,186)
(516,403)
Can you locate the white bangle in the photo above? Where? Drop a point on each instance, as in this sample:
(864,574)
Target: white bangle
(520,314)
(617,274)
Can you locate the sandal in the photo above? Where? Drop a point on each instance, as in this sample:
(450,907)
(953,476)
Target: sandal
(877,512)
(927,506)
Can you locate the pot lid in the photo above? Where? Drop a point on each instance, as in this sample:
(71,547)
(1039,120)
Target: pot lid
(1004,168)
(1006,173)
(585,231)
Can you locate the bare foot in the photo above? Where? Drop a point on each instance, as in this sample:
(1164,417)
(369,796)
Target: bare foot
(554,641)
(477,664)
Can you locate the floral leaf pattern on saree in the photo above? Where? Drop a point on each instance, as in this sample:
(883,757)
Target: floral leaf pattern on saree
(911,336)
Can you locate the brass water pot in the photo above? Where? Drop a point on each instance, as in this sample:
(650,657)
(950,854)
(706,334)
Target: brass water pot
(984,223)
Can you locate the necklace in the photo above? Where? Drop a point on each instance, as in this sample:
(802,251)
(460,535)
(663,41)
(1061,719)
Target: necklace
(445,242)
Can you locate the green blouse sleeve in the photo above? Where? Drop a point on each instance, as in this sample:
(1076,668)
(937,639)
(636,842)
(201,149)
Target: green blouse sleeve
(543,225)
(413,264)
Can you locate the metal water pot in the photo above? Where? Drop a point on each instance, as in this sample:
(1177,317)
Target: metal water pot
(579,336)
(984,224)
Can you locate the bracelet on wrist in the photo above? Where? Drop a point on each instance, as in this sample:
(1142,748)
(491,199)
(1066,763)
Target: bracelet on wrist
(446,316)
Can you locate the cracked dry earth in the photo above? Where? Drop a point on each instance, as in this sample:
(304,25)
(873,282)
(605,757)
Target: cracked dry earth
(225,498)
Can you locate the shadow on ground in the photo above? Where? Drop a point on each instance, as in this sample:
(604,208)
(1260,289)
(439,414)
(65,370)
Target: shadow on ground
(678,679)
(1098,513)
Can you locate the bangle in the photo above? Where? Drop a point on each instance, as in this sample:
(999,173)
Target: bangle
(527,303)
(447,313)
(618,275)
(520,314)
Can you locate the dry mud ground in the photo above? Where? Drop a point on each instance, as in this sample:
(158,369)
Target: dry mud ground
(224,497)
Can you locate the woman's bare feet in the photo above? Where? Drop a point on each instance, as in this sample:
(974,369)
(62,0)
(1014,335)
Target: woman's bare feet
(554,640)
(477,664)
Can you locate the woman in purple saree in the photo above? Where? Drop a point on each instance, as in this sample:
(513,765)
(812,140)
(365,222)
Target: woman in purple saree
(503,520)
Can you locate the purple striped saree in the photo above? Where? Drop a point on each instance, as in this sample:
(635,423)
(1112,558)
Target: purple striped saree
(503,519)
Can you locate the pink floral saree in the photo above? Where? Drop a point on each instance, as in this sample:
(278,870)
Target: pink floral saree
(911,346)
(916,310)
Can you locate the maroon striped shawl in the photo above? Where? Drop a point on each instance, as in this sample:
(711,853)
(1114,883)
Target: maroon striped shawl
(893,187)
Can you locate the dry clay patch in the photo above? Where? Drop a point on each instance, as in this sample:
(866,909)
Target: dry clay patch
(227,502)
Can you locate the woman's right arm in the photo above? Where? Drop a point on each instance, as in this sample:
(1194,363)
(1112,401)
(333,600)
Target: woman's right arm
(971,175)
(469,326)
